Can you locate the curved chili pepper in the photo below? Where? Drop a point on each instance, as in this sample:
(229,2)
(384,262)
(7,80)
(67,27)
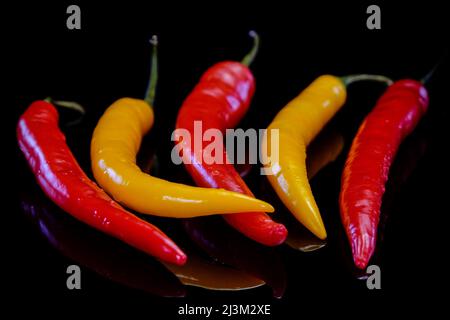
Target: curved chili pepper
(394,117)
(219,101)
(115,143)
(62,179)
(297,124)
(321,152)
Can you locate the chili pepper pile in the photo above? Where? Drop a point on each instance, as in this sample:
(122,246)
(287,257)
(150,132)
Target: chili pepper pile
(220,100)
(115,143)
(62,179)
(297,124)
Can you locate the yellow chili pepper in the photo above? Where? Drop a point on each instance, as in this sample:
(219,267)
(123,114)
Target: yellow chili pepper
(115,143)
(321,152)
(298,124)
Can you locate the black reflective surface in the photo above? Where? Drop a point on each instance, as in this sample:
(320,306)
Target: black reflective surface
(109,59)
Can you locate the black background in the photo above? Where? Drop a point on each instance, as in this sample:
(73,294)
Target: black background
(109,58)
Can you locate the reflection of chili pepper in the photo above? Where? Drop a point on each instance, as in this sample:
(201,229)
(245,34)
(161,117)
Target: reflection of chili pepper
(114,146)
(394,117)
(214,237)
(406,161)
(201,273)
(297,124)
(219,101)
(101,254)
(62,179)
(322,151)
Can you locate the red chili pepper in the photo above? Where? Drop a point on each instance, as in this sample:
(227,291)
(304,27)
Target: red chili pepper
(62,179)
(366,170)
(219,101)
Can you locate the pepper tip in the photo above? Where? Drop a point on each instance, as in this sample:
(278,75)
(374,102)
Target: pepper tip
(268,207)
(320,232)
(280,234)
(180,259)
(360,263)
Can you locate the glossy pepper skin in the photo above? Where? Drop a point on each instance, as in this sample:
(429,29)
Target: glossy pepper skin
(373,150)
(115,143)
(323,151)
(298,123)
(64,182)
(219,101)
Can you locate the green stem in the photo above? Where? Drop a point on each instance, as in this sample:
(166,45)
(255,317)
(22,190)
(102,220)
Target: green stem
(248,59)
(151,88)
(68,105)
(430,73)
(72,105)
(347,80)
